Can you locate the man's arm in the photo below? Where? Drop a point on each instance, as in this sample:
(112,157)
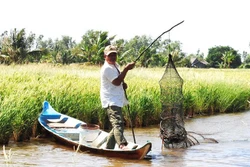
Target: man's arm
(123,74)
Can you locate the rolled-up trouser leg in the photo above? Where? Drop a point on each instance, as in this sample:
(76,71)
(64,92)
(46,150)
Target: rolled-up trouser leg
(116,134)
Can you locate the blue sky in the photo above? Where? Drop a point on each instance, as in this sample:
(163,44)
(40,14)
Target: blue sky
(207,23)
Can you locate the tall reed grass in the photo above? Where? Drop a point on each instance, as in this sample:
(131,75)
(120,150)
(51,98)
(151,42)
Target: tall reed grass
(210,91)
(74,90)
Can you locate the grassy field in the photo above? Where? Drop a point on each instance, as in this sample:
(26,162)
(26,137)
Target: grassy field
(74,90)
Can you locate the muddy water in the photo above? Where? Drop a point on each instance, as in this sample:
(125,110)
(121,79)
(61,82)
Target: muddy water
(231,130)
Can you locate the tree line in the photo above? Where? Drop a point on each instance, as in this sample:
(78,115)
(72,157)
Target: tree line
(17,47)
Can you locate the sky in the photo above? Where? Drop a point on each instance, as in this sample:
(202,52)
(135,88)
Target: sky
(207,23)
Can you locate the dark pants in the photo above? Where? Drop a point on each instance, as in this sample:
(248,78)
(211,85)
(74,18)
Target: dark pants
(116,134)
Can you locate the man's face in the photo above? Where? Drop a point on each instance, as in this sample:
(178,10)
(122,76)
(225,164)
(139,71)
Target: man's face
(111,58)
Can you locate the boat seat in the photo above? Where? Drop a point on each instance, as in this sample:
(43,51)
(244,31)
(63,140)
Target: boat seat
(62,125)
(78,125)
(63,120)
(101,138)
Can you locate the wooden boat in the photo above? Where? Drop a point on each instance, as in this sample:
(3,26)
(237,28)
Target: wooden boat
(86,137)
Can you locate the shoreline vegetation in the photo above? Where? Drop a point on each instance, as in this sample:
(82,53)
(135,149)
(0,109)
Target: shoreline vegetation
(74,90)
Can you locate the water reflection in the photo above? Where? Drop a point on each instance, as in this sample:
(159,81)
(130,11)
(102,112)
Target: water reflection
(231,130)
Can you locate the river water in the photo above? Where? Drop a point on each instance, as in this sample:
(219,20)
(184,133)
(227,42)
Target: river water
(232,131)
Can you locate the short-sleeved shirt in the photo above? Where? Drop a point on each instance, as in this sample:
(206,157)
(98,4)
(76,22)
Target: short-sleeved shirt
(111,95)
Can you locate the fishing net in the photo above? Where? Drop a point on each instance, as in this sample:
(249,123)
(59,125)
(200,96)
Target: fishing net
(173,132)
(172,128)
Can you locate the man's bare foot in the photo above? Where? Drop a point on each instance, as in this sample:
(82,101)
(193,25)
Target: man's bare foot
(123,147)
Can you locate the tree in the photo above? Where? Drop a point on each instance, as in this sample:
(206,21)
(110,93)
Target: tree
(61,50)
(227,58)
(14,46)
(137,45)
(246,63)
(134,48)
(174,48)
(215,56)
(247,60)
(17,48)
(93,44)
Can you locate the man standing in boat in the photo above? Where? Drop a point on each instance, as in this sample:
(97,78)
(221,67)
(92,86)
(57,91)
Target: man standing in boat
(113,96)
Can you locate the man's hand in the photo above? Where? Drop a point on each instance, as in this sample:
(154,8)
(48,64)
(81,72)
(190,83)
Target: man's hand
(122,75)
(130,66)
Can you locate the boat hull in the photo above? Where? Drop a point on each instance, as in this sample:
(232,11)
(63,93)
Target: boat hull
(80,136)
(126,154)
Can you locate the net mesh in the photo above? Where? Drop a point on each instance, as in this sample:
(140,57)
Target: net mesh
(172,116)
(173,133)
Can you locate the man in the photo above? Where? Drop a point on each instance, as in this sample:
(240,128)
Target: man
(113,96)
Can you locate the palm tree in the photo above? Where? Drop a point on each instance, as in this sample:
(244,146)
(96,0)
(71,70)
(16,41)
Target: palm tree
(16,48)
(93,44)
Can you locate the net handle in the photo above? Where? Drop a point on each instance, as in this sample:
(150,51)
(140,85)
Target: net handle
(156,40)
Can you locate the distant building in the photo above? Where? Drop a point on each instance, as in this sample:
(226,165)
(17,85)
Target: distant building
(198,64)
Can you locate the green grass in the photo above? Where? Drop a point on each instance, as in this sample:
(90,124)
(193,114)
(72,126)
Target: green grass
(74,90)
